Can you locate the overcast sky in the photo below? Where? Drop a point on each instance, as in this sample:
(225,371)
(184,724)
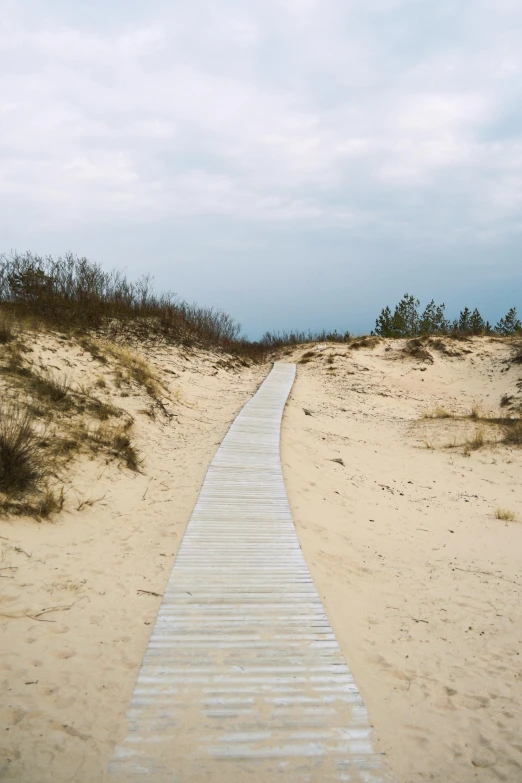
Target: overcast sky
(299,163)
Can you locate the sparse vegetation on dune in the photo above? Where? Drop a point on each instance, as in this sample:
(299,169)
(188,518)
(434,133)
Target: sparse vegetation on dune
(136,368)
(54,420)
(368,341)
(21,462)
(508,428)
(25,468)
(112,319)
(72,293)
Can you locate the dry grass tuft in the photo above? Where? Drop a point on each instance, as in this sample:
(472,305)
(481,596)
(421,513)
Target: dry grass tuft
(505,515)
(24,465)
(51,502)
(439,413)
(516,358)
(416,348)
(21,463)
(13,356)
(94,347)
(51,388)
(136,367)
(6,330)
(371,341)
(513,433)
(476,442)
(102,410)
(118,441)
(476,412)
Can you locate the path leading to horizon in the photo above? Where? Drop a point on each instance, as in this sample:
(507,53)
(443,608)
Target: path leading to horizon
(243,679)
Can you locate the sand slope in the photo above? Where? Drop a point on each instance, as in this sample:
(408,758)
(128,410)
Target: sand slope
(66,675)
(421,583)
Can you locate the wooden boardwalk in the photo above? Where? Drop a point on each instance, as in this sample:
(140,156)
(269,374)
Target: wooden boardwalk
(243,679)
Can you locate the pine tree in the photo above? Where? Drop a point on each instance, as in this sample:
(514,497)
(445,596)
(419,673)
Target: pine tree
(464,322)
(405,320)
(433,321)
(476,323)
(383,324)
(510,324)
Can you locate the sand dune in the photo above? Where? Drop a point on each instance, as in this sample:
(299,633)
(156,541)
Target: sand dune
(421,582)
(79,593)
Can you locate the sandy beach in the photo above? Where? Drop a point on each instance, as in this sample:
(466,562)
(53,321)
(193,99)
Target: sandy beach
(395,515)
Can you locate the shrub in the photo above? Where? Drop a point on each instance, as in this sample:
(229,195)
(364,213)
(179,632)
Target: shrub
(21,465)
(276,340)
(72,292)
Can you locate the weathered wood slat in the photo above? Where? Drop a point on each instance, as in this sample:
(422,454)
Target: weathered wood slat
(243,679)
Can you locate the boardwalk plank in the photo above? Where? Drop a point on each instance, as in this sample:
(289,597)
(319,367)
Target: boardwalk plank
(243,680)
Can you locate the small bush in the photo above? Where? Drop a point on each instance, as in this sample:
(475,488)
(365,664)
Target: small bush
(21,466)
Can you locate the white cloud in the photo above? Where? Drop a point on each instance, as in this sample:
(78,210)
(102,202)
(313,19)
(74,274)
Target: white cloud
(328,112)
